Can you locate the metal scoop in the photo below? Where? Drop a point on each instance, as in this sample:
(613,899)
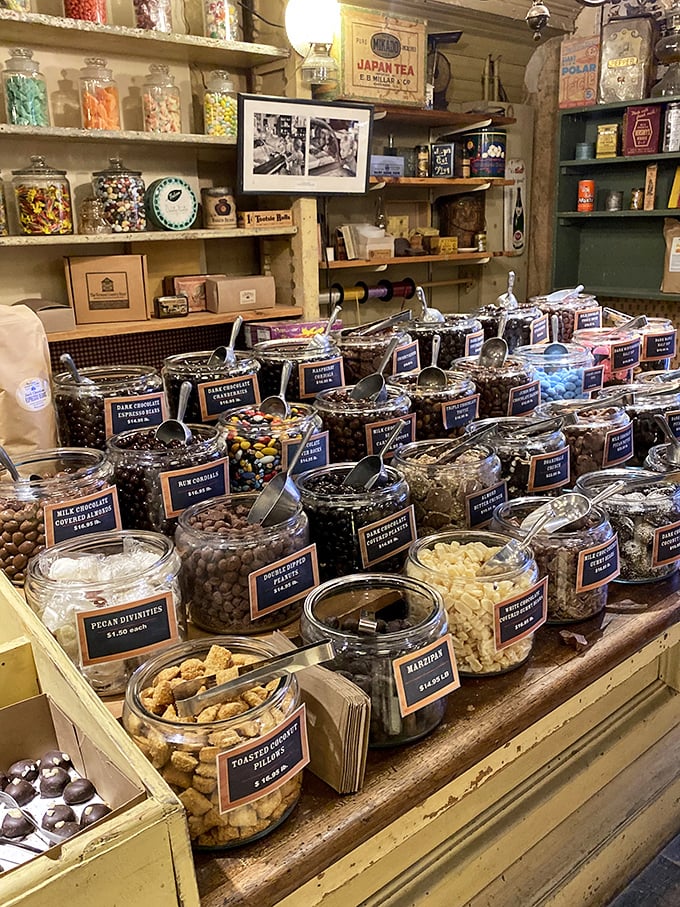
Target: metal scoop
(369,469)
(508,299)
(494,351)
(673,446)
(176,429)
(556,348)
(279,498)
(452,450)
(8,463)
(426,313)
(372,387)
(276,404)
(432,376)
(639,321)
(225,355)
(67,361)
(377,326)
(561,295)
(320,341)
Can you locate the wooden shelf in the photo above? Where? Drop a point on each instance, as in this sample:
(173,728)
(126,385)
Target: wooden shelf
(630,159)
(432,118)
(197,320)
(63,134)
(474,182)
(590,215)
(617,105)
(32,29)
(82,239)
(410,260)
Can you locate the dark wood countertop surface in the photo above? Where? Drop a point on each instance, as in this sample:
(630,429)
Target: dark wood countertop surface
(325,826)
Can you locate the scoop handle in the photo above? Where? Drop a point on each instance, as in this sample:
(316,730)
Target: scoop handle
(394,343)
(392,437)
(436,346)
(235,328)
(286,372)
(184,393)
(6,461)
(306,435)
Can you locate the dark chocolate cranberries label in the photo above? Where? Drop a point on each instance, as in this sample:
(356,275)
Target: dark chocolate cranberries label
(320,376)
(597,566)
(217,396)
(387,537)
(406,358)
(315,453)
(549,470)
(97,512)
(126,631)
(618,446)
(625,355)
(183,487)
(124,413)
(593,378)
(283,582)
(584,319)
(673,420)
(378,432)
(473,343)
(666,548)
(424,676)
(480,506)
(521,615)
(461,412)
(524,399)
(260,766)
(659,346)
(539,330)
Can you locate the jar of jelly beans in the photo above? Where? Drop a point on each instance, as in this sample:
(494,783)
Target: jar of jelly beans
(220,109)
(122,193)
(87,10)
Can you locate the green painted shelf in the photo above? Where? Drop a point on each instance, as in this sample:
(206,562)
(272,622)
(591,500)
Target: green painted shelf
(591,215)
(631,159)
(632,293)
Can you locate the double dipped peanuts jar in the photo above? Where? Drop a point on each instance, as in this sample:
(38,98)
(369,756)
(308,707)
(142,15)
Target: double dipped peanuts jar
(109,599)
(617,351)
(215,387)
(645,519)
(358,427)
(644,402)
(43,197)
(223,554)
(460,335)
(444,495)
(118,397)
(356,531)
(189,753)
(256,440)
(29,518)
(441,412)
(574,313)
(315,368)
(157,481)
(511,389)
(412,618)
(362,355)
(121,192)
(492,633)
(566,557)
(563,376)
(525,325)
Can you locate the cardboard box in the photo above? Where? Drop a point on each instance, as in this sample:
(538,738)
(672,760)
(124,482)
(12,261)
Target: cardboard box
(386,165)
(238,294)
(259,331)
(641,130)
(108,288)
(281,218)
(190,285)
(55,316)
(579,71)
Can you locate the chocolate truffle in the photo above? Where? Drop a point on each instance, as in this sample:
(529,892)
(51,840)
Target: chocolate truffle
(15,824)
(24,768)
(57,758)
(93,813)
(57,813)
(22,791)
(4,780)
(66,829)
(53,780)
(79,791)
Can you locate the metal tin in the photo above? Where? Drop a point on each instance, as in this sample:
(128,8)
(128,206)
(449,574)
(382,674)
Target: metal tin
(486,149)
(637,199)
(171,306)
(614,201)
(219,208)
(480,242)
(671,135)
(584,151)
(422,160)
(586,195)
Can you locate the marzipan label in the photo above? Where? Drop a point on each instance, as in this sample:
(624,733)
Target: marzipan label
(424,676)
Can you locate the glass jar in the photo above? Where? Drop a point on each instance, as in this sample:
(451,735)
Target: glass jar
(643,404)
(476,605)
(28,516)
(659,344)
(563,376)
(563,556)
(448,495)
(91,218)
(362,355)
(43,197)
(533,461)
(352,529)
(222,557)
(157,481)
(659,459)
(215,387)
(88,414)
(25,90)
(100,105)
(4,228)
(440,412)
(153,15)
(667,51)
(88,10)
(460,335)
(525,324)
(597,438)
(256,440)
(357,428)
(413,620)
(161,100)
(222,20)
(188,753)
(315,368)
(618,351)
(121,191)
(511,389)
(109,600)
(220,106)
(572,314)
(645,520)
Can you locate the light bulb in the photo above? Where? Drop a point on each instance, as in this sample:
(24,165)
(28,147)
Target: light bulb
(311,22)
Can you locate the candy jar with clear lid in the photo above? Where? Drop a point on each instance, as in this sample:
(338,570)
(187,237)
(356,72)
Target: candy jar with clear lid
(459,336)
(122,193)
(43,197)
(100,105)
(161,100)
(645,517)
(511,389)
(28,520)
(25,90)
(659,344)
(441,412)
(562,375)
(256,442)
(222,20)
(220,107)
(153,15)
(572,313)
(450,494)
(644,402)
(524,324)
(215,386)
(88,10)
(72,585)
(667,51)
(366,652)
(484,640)
(91,217)
(617,351)
(661,458)
(566,557)
(358,427)
(315,368)
(362,354)
(89,413)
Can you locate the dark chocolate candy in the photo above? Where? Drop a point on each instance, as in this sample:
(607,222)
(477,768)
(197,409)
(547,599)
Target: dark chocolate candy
(66,829)
(22,791)
(24,768)
(4,780)
(15,824)
(79,791)
(57,813)
(56,757)
(53,780)
(93,813)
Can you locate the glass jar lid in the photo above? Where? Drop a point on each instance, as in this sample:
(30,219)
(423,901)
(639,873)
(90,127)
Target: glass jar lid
(219,80)
(104,378)
(116,168)
(159,74)
(20,60)
(591,483)
(95,68)
(39,168)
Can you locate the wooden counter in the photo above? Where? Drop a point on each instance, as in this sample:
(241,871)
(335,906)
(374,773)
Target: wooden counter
(562,760)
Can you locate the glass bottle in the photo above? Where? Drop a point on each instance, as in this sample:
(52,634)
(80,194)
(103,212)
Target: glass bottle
(122,193)
(91,219)
(220,109)
(43,197)
(25,90)
(222,20)
(161,101)
(667,51)
(100,105)
(91,11)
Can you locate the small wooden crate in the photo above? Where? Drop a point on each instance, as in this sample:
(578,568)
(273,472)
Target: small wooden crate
(141,858)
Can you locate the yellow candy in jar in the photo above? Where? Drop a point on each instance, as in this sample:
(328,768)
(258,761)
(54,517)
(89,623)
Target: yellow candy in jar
(220,109)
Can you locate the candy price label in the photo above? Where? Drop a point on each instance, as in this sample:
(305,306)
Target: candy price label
(584,319)
(673,420)
(524,399)
(473,343)
(539,330)
(126,631)
(283,582)
(387,537)
(625,355)
(618,446)
(124,413)
(424,676)
(593,378)
(461,412)
(479,507)
(406,358)
(549,470)
(597,566)
(659,346)
(250,771)
(315,453)
(666,547)
(96,512)
(217,396)
(315,377)
(182,487)
(518,617)
(378,432)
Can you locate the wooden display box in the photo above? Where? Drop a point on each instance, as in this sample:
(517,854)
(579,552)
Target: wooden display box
(140,857)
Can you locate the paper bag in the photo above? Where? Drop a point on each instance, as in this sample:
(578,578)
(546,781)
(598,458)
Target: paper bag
(671,268)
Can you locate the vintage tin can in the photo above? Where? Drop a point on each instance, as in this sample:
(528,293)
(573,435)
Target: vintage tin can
(586,195)
(607,140)
(671,134)
(422,160)
(614,200)
(486,150)
(480,242)
(637,199)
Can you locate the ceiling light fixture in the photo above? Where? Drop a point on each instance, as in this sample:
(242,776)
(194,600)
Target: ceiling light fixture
(537,18)
(311,27)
